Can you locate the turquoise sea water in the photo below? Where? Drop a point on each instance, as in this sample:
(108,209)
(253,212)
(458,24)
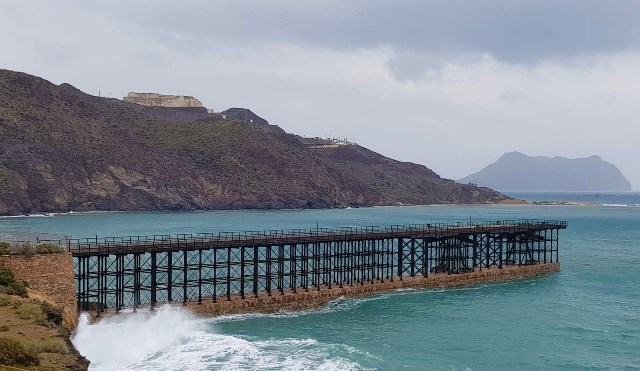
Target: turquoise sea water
(587,316)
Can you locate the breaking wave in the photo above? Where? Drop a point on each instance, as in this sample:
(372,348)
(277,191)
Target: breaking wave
(172,338)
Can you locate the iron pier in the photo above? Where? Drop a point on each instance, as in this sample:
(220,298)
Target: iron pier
(145,271)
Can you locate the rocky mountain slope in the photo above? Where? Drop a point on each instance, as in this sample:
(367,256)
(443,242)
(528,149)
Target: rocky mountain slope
(64,150)
(515,171)
(402,182)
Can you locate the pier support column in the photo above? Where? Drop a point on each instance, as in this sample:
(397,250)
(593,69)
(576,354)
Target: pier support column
(169,276)
(255,271)
(400,257)
(153,280)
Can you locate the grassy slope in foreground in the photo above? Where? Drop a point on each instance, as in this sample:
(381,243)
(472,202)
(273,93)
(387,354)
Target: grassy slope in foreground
(34,330)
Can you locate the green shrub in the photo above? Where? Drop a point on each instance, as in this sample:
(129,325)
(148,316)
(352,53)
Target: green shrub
(26,249)
(30,311)
(6,276)
(47,248)
(53,345)
(4,248)
(18,288)
(4,300)
(13,352)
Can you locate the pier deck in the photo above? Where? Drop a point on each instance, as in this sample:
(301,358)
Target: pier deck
(139,271)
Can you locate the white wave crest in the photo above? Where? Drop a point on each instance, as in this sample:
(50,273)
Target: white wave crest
(172,338)
(206,351)
(115,342)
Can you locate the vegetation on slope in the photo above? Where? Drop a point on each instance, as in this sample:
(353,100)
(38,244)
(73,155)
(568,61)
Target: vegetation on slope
(63,150)
(31,331)
(401,182)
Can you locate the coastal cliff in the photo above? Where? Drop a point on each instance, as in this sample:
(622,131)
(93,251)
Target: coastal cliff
(63,150)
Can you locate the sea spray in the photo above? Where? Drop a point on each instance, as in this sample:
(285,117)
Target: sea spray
(120,340)
(172,338)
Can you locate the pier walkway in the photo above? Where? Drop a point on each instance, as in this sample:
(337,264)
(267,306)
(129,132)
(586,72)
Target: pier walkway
(144,271)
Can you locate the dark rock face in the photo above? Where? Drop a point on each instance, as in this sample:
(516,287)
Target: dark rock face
(517,172)
(244,115)
(63,150)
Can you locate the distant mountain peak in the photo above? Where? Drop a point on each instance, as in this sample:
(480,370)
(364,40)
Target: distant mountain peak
(515,171)
(512,155)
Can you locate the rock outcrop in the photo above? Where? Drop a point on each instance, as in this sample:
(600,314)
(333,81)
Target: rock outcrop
(243,115)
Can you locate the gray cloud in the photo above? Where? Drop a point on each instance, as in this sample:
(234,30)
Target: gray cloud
(421,32)
(450,85)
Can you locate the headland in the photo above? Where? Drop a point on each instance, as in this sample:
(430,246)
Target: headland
(70,151)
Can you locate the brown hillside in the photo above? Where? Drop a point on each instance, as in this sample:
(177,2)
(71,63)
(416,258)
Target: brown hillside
(63,150)
(401,182)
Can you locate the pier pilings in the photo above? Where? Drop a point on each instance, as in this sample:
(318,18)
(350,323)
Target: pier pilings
(264,270)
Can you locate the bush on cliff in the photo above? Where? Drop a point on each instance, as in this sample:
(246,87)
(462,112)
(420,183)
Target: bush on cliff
(6,276)
(27,249)
(13,352)
(9,285)
(47,248)
(18,288)
(55,345)
(4,248)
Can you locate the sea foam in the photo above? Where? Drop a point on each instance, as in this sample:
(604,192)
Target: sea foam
(172,338)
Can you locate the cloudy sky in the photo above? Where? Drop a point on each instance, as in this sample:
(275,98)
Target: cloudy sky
(448,84)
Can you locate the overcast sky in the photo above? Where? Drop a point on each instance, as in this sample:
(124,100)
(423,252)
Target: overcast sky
(448,84)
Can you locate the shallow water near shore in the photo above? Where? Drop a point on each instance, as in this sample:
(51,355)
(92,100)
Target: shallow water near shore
(587,316)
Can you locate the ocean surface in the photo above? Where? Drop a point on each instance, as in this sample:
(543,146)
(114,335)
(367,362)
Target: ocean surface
(603,198)
(585,317)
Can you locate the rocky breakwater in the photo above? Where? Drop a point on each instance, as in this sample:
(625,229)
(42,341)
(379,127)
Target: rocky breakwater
(302,300)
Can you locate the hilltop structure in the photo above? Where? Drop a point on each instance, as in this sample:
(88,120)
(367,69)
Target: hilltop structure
(159,100)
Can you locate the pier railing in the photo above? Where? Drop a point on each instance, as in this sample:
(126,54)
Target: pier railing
(101,245)
(137,271)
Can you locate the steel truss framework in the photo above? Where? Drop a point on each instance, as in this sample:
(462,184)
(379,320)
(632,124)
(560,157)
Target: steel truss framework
(136,272)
